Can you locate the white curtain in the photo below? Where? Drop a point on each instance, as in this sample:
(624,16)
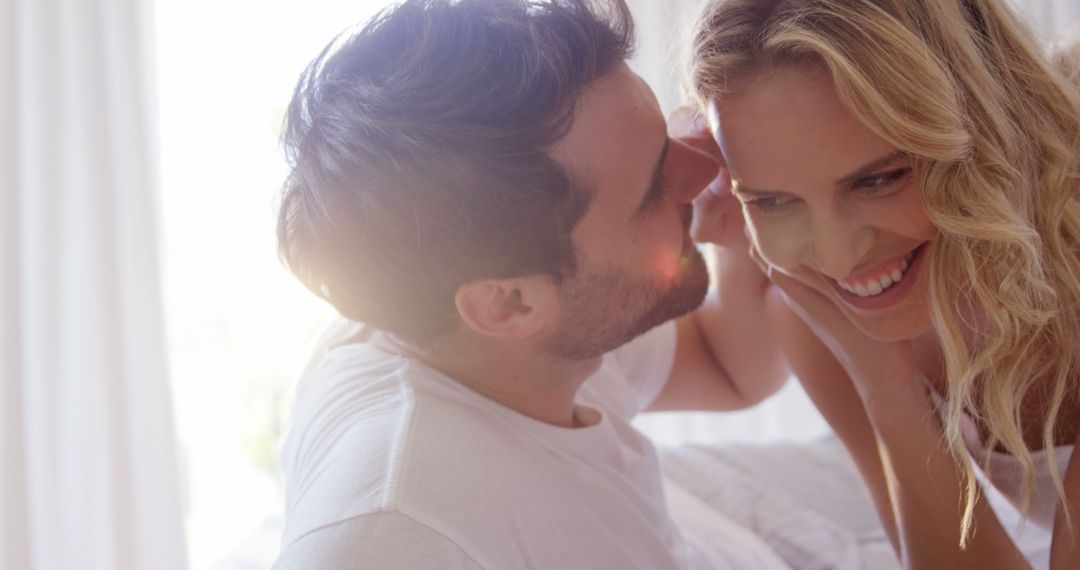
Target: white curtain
(88,474)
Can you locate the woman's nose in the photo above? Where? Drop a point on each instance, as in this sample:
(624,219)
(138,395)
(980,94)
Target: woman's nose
(838,245)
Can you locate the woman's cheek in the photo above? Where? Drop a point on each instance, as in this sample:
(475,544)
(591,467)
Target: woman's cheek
(773,242)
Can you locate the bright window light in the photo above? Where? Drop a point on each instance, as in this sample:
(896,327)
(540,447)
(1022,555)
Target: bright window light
(240,327)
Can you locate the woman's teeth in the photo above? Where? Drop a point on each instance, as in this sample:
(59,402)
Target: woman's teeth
(876,285)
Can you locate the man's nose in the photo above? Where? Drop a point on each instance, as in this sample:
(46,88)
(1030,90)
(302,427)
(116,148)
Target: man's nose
(838,244)
(689,170)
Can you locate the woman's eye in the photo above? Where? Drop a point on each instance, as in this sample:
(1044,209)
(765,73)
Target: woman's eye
(881,183)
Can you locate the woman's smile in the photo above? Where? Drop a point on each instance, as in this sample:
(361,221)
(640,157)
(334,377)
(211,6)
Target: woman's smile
(881,286)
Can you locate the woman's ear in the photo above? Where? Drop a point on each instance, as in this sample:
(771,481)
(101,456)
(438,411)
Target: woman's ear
(507,308)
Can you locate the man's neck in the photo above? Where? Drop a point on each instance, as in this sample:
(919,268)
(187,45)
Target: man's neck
(539,386)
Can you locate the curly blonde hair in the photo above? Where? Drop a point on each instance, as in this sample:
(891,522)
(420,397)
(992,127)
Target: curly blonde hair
(994,128)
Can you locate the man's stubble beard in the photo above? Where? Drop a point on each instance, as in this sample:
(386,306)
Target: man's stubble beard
(608,308)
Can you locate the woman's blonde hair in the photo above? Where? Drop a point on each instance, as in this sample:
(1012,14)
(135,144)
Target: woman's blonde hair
(962,87)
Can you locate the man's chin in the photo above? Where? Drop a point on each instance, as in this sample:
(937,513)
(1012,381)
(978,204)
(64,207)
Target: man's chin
(689,293)
(583,337)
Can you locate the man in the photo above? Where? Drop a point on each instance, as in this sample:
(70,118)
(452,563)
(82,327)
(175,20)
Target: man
(489,189)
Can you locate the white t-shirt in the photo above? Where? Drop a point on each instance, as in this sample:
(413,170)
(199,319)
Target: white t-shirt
(391,464)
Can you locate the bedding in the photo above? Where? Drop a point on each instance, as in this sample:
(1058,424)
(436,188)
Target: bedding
(804,500)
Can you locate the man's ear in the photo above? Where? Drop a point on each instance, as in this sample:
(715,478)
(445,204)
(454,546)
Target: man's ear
(507,308)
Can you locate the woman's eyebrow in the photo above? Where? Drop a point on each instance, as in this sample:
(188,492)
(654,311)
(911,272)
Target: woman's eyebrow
(847,179)
(870,167)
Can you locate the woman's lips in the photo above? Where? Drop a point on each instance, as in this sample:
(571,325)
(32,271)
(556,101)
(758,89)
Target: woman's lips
(889,296)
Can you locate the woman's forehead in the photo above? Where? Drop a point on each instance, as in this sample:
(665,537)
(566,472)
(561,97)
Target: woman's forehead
(789,128)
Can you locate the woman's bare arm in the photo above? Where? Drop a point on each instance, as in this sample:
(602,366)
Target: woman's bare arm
(831,390)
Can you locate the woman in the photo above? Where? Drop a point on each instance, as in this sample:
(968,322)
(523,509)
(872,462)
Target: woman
(909,173)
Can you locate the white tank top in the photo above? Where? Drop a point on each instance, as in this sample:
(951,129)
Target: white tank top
(1002,483)
(1004,473)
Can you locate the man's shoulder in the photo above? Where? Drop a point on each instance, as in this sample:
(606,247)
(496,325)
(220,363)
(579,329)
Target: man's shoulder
(342,430)
(371,434)
(350,390)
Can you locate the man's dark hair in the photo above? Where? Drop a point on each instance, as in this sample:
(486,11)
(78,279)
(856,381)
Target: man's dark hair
(419,150)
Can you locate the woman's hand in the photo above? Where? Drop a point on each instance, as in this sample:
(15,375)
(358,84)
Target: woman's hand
(879,370)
